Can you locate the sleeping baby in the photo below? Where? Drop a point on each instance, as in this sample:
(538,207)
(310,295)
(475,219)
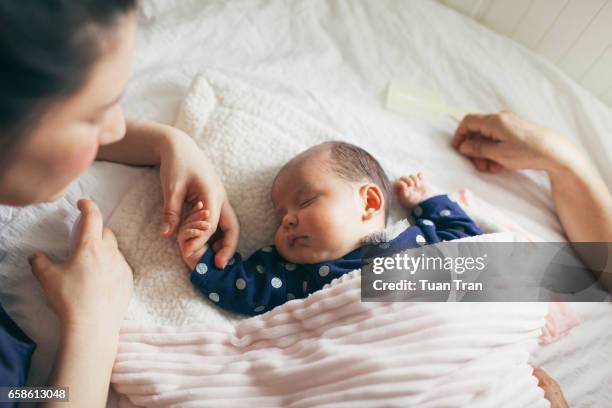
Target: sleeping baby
(330,199)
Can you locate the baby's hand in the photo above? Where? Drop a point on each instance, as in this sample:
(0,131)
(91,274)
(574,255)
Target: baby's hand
(411,190)
(193,235)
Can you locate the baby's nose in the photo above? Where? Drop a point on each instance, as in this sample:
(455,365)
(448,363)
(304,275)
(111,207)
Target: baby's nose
(289,220)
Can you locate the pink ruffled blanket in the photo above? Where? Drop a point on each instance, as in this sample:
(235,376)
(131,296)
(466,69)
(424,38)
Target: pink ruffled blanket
(561,317)
(332,350)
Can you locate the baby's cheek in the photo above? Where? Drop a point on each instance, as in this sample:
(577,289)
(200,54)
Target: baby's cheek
(328,230)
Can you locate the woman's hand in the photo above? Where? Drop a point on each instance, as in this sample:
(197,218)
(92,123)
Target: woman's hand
(187,176)
(91,290)
(505,140)
(552,391)
(90,293)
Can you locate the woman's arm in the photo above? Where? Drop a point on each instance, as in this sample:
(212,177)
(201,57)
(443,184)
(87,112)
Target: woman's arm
(86,350)
(90,293)
(143,143)
(186,176)
(582,199)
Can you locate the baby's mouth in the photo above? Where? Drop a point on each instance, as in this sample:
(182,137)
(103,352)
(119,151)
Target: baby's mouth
(294,240)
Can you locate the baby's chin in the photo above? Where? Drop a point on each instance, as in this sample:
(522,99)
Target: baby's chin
(305,255)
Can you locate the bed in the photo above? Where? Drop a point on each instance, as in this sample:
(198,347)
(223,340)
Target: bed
(338,56)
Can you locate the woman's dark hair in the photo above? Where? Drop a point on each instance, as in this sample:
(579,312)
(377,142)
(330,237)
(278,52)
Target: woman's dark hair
(47,48)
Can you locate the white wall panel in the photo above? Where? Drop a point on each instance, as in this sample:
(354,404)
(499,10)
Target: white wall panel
(591,45)
(607,97)
(599,77)
(574,34)
(505,16)
(538,20)
(568,27)
(467,7)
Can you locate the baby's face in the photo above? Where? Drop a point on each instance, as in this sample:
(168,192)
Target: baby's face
(321,214)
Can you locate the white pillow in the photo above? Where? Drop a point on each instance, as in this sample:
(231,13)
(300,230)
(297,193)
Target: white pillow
(248,134)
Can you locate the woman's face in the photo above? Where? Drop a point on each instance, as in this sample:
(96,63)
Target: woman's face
(66,138)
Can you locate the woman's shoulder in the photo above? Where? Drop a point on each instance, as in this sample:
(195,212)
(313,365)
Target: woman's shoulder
(16,350)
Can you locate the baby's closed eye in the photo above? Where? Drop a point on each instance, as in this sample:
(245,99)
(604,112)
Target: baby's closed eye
(306,202)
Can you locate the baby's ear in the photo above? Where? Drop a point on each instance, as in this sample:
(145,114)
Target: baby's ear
(373,200)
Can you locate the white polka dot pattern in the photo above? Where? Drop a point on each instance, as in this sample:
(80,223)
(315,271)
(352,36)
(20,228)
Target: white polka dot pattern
(290,267)
(445,213)
(420,240)
(214,297)
(260,269)
(259,309)
(324,271)
(276,282)
(429,223)
(240,284)
(201,268)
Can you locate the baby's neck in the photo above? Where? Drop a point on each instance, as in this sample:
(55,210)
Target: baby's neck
(385,234)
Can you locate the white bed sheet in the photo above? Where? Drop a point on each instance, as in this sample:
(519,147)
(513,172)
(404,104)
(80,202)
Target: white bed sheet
(336,58)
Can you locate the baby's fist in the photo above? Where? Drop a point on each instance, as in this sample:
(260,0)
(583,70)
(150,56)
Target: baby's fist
(411,190)
(193,235)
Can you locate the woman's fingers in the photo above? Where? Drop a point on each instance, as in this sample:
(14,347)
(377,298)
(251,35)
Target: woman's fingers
(228,223)
(480,163)
(552,391)
(40,264)
(488,126)
(173,205)
(199,215)
(91,223)
(470,124)
(494,167)
(479,147)
(109,236)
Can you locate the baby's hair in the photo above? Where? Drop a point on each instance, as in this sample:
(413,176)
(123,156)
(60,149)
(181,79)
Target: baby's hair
(355,164)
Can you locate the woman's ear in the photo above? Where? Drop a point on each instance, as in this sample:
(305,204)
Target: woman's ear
(373,201)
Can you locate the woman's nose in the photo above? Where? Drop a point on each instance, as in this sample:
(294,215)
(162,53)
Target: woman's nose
(113,128)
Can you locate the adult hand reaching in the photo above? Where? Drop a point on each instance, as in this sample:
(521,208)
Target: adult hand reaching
(90,293)
(552,391)
(504,139)
(187,177)
(93,287)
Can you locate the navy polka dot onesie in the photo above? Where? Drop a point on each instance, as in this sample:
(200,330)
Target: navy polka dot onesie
(266,280)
